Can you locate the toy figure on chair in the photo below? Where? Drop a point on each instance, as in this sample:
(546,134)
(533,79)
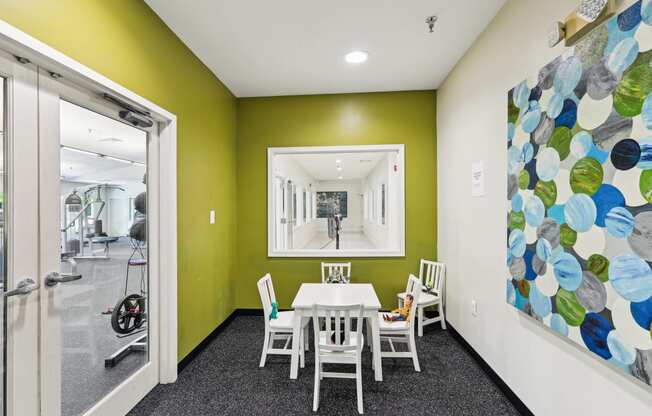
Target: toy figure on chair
(400,314)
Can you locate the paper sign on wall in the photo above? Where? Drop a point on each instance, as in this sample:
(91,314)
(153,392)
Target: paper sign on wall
(477,179)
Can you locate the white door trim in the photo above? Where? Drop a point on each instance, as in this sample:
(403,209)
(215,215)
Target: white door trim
(21,44)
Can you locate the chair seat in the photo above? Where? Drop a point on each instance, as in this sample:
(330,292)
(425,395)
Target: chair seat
(424,298)
(284,320)
(391,326)
(322,340)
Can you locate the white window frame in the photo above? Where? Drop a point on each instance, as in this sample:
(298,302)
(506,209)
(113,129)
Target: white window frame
(21,44)
(272,152)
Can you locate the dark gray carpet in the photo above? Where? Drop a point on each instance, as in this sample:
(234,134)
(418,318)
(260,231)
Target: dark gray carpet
(225,379)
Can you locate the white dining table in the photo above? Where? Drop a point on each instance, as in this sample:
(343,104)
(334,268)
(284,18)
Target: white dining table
(310,294)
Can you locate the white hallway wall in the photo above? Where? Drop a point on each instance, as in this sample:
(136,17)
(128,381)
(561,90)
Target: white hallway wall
(551,375)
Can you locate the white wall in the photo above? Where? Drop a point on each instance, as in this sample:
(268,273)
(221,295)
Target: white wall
(551,375)
(381,235)
(353,221)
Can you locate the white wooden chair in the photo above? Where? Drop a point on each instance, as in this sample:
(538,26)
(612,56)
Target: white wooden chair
(328,268)
(402,331)
(433,276)
(279,329)
(337,345)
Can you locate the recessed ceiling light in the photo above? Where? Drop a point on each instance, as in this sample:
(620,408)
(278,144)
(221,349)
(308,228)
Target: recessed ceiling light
(339,177)
(356,57)
(338,161)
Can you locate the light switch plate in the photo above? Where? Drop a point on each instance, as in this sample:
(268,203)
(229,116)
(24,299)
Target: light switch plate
(212,217)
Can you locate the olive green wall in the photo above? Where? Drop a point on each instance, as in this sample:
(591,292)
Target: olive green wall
(323,120)
(127,42)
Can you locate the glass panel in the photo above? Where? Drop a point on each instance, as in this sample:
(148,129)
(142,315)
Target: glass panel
(104,223)
(3,333)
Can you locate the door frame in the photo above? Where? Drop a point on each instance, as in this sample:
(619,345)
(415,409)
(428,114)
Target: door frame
(21,44)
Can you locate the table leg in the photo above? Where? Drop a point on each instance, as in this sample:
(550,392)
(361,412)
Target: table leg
(375,328)
(369,335)
(296,344)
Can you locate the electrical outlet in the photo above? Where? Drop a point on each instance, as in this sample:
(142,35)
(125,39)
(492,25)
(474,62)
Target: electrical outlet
(212,217)
(474,308)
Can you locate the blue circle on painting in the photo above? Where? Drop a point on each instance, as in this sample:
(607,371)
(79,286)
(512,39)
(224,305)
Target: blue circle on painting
(521,95)
(646,12)
(594,330)
(581,144)
(514,161)
(511,130)
(619,222)
(600,155)
(530,274)
(534,211)
(517,203)
(558,324)
(517,243)
(630,18)
(625,154)
(642,313)
(532,117)
(547,164)
(555,105)
(568,115)
(620,351)
(623,55)
(568,271)
(645,162)
(615,36)
(580,212)
(531,168)
(568,76)
(510,293)
(556,212)
(541,304)
(605,199)
(556,253)
(631,277)
(544,249)
(646,112)
(535,93)
(527,152)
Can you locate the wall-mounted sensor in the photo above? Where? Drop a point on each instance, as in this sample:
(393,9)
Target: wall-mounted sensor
(430,21)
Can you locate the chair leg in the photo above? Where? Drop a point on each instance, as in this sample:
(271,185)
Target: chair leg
(306,338)
(413,350)
(263,357)
(302,350)
(358,381)
(369,339)
(441,314)
(420,324)
(315,399)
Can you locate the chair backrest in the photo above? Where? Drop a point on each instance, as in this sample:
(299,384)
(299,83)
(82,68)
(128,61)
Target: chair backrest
(433,275)
(328,268)
(267,296)
(413,288)
(339,335)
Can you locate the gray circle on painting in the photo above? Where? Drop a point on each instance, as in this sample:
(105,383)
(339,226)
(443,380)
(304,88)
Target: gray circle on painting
(600,82)
(591,294)
(544,130)
(547,74)
(591,48)
(517,268)
(640,240)
(549,229)
(512,186)
(539,266)
(613,130)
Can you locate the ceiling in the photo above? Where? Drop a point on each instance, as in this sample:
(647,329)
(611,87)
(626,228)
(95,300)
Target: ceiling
(92,132)
(323,166)
(296,47)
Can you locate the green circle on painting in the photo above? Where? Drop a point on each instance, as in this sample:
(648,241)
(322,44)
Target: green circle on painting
(547,192)
(599,266)
(632,90)
(523,179)
(560,141)
(567,236)
(517,220)
(524,288)
(569,307)
(645,185)
(586,176)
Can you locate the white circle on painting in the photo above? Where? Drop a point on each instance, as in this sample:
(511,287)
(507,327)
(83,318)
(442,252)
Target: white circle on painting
(590,242)
(547,283)
(520,137)
(564,191)
(627,182)
(530,234)
(628,330)
(593,113)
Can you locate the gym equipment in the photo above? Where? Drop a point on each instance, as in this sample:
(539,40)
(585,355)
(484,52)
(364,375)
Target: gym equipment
(130,312)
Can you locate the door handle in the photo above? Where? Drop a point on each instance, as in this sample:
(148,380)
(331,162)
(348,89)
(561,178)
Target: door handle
(23,287)
(54,278)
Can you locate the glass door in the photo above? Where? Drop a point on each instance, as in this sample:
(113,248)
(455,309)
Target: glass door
(98,332)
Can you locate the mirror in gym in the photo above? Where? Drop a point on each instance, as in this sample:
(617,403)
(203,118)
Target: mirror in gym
(103,253)
(340,201)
